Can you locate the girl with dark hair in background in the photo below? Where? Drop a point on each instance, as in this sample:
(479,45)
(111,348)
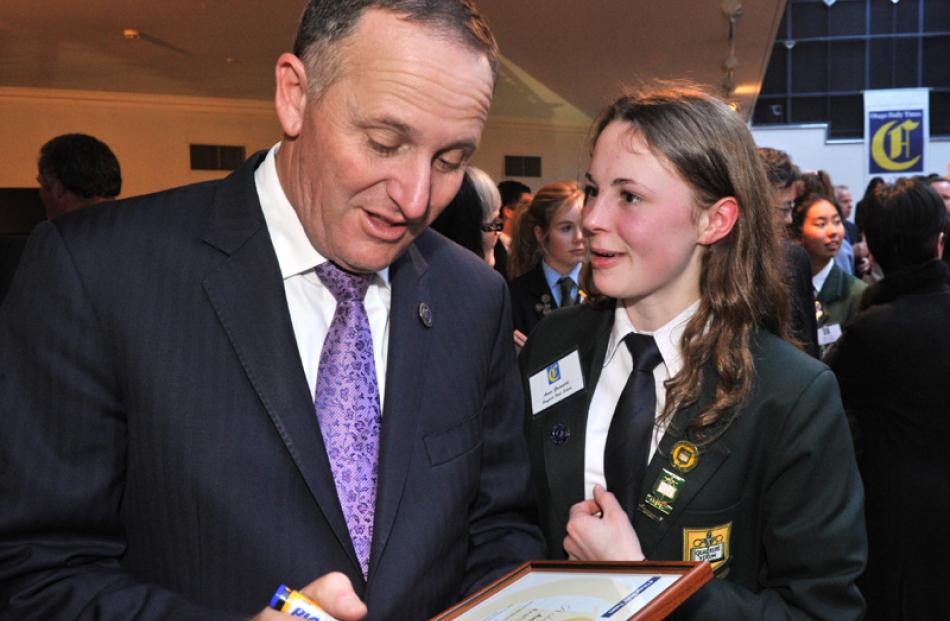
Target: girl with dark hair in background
(817,222)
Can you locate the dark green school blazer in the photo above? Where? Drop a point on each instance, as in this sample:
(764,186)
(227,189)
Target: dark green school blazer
(775,503)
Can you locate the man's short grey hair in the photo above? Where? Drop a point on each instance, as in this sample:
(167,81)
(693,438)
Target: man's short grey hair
(326,23)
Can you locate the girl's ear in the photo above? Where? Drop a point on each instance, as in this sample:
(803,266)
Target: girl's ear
(538,235)
(717,221)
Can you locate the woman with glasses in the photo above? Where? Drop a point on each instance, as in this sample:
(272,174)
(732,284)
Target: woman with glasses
(547,252)
(472,218)
(669,419)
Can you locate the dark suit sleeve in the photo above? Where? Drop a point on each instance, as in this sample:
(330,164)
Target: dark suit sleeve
(502,531)
(63,455)
(813,537)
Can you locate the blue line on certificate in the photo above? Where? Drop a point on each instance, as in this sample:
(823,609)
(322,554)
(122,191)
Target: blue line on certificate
(622,603)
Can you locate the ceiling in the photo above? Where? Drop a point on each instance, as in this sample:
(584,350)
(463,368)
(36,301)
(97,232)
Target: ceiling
(563,58)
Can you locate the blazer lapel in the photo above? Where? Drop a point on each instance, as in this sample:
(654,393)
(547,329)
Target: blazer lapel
(834,288)
(409,343)
(564,463)
(247,294)
(651,530)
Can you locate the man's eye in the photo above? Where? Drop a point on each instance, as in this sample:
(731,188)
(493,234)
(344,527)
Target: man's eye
(382,148)
(589,192)
(448,165)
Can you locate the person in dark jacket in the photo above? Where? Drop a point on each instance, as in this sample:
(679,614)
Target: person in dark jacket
(893,364)
(669,419)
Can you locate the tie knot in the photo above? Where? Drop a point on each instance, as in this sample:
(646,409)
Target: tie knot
(345,286)
(646,355)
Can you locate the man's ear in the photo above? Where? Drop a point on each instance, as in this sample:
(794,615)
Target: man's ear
(941,240)
(290,98)
(717,221)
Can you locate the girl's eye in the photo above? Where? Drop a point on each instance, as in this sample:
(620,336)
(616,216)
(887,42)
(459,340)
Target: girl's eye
(629,197)
(589,192)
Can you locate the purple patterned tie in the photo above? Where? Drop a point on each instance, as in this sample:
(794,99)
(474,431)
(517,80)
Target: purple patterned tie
(347,403)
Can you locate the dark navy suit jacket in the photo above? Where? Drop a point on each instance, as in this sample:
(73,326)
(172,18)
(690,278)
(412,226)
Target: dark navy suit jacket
(160,457)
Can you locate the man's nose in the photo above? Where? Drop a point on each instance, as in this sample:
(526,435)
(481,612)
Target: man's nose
(410,188)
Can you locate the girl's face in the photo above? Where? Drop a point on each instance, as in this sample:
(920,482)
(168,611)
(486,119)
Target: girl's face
(822,231)
(563,244)
(642,227)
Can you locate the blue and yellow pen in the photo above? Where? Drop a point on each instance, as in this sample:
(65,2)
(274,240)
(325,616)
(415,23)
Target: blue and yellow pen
(296,604)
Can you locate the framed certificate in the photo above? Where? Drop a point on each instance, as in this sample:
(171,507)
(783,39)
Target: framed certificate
(584,591)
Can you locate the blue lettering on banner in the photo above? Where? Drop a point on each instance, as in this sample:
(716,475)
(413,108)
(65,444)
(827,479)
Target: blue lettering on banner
(896,141)
(622,603)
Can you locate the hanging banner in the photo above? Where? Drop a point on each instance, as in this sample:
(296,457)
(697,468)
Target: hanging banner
(896,131)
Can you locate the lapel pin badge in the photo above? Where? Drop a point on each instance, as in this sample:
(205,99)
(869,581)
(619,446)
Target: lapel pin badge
(560,434)
(684,456)
(425,314)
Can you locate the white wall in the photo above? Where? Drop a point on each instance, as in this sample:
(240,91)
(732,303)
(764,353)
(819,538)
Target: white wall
(150,135)
(844,160)
(563,149)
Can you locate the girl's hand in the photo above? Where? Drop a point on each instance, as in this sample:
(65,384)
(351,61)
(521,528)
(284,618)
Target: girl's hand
(599,530)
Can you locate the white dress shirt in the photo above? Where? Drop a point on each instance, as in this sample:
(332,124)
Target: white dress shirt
(311,305)
(818,280)
(618,364)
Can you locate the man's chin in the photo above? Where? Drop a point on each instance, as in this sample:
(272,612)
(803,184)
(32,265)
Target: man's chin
(375,256)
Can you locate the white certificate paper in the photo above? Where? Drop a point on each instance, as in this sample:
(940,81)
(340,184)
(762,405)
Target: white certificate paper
(571,596)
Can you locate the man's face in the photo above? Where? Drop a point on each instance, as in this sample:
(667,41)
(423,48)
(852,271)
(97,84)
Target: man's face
(380,153)
(783,200)
(845,201)
(943,189)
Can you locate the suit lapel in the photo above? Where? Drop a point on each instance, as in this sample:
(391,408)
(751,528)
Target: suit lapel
(409,343)
(649,530)
(247,294)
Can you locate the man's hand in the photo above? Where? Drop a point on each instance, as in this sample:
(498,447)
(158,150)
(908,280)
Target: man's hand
(599,530)
(333,592)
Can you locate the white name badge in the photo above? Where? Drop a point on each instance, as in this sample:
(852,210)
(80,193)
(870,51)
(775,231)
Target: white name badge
(556,382)
(829,334)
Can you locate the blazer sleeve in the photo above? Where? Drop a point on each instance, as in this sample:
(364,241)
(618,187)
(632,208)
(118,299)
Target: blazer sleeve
(502,524)
(814,544)
(63,454)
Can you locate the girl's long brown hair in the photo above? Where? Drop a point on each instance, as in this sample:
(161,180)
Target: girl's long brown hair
(741,286)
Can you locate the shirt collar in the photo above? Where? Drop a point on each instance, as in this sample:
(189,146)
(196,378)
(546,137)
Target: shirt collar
(551,275)
(818,280)
(667,337)
(295,254)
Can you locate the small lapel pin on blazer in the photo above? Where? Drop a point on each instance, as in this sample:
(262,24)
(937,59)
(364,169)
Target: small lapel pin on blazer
(560,434)
(425,314)
(684,456)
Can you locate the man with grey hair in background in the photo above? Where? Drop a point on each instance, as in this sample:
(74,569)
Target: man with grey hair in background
(262,380)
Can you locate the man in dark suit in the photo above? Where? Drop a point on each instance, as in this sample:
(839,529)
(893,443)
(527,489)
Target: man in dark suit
(184,424)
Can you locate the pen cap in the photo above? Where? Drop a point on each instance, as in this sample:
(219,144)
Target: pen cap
(280,597)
